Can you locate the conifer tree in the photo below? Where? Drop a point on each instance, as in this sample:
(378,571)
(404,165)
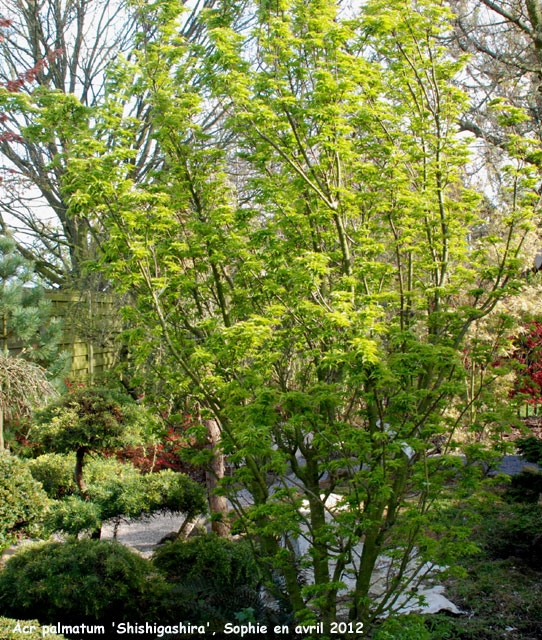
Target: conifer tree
(27,330)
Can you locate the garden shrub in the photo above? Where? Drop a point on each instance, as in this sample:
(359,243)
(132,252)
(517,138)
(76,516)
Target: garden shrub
(7,626)
(174,492)
(23,502)
(526,487)
(218,575)
(226,562)
(91,581)
(407,627)
(120,491)
(531,449)
(94,418)
(55,473)
(114,490)
(513,530)
(72,516)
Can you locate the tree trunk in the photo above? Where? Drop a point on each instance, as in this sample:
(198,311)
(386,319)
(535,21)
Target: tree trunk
(218,505)
(78,473)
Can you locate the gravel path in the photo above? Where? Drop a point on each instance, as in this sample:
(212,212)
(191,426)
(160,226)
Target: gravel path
(144,534)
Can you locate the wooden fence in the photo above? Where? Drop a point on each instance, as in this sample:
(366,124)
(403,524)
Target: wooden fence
(90,323)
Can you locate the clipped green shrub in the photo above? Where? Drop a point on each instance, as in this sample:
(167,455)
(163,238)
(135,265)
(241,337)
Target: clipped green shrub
(175,492)
(91,419)
(55,473)
(95,418)
(227,563)
(109,482)
(91,581)
(114,490)
(9,630)
(119,491)
(72,516)
(218,576)
(23,502)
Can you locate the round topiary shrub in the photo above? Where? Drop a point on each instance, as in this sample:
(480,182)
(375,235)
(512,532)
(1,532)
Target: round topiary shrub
(225,563)
(90,581)
(23,502)
(88,420)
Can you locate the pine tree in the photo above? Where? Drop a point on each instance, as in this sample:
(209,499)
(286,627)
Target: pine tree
(27,330)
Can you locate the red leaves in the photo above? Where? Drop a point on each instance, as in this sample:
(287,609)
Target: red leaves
(10,136)
(529,355)
(73,386)
(166,455)
(30,75)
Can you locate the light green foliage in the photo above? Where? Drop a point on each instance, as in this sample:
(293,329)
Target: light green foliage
(115,490)
(93,419)
(403,628)
(23,503)
(130,494)
(317,306)
(54,472)
(174,492)
(72,515)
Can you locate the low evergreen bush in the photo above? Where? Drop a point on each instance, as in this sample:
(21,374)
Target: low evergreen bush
(114,490)
(526,487)
(531,449)
(90,581)
(23,503)
(219,577)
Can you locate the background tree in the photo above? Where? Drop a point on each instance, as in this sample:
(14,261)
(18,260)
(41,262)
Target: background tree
(64,47)
(31,334)
(504,43)
(317,310)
